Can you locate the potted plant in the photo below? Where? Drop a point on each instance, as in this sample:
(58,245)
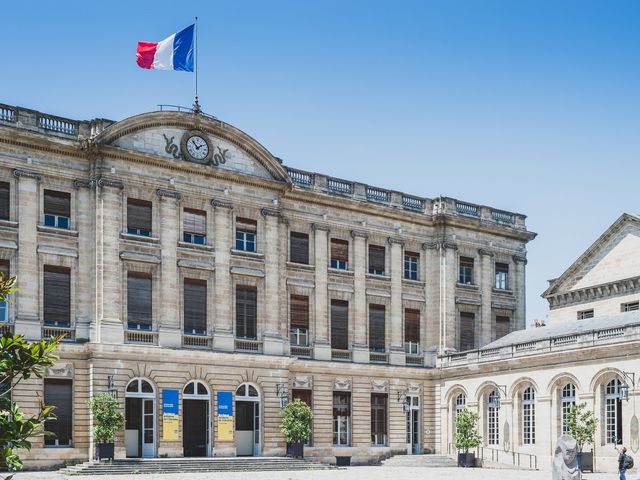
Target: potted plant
(467,437)
(109,419)
(296,425)
(581,425)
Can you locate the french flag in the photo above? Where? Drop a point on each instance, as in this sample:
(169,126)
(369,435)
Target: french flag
(172,53)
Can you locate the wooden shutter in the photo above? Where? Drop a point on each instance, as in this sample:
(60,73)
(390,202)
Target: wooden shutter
(467,331)
(339,324)
(4,200)
(139,299)
(376,258)
(139,214)
(502,326)
(246,225)
(195,305)
(299,247)
(59,393)
(411,325)
(303,395)
(299,311)
(194,221)
(246,318)
(376,327)
(57,296)
(339,250)
(57,203)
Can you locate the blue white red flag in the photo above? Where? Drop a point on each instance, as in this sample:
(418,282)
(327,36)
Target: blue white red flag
(172,53)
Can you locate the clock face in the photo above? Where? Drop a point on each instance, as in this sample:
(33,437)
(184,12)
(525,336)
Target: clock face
(197,147)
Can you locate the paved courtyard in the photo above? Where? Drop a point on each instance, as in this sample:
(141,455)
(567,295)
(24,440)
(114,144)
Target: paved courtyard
(351,473)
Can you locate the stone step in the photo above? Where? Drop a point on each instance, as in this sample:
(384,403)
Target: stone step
(428,461)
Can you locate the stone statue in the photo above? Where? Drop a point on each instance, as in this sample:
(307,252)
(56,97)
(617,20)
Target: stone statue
(565,462)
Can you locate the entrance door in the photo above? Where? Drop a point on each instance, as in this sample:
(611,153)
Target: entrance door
(140,418)
(413,425)
(148,431)
(195,419)
(247,420)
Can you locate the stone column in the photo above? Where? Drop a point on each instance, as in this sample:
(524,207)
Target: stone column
(322,343)
(169,331)
(272,341)
(109,279)
(85,210)
(486,285)
(430,274)
(360,318)
(544,426)
(396,351)
(520,320)
(27,319)
(448,280)
(223,334)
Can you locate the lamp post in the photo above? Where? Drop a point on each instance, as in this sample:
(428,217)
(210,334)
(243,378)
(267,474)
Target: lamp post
(406,401)
(624,388)
(111,387)
(282,394)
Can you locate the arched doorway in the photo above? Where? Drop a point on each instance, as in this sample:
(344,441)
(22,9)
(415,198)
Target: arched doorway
(247,420)
(140,418)
(195,419)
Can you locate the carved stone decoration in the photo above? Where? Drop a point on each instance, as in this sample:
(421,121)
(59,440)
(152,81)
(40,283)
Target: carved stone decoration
(165,192)
(270,212)
(634,429)
(320,226)
(61,370)
(484,251)
(302,382)
(520,259)
(218,202)
(414,389)
(379,386)
(84,183)
(342,384)
(359,233)
(565,462)
(27,173)
(108,182)
(397,240)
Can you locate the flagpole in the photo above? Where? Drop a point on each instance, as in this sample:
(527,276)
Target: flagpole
(196,106)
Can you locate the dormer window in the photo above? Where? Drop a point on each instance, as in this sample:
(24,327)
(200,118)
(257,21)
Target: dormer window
(57,209)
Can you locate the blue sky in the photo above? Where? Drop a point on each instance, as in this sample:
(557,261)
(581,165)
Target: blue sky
(529,106)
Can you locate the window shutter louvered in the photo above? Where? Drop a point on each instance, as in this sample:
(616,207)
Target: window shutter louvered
(246,312)
(377,328)
(339,250)
(412,325)
(299,311)
(246,225)
(376,258)
(299,247)
(195,221)
(59,393)
(4,200)
(57,203)
(139,300)
(502,326)
(339,324)
(139,214)
(57,300)
(467,331)
(195,306)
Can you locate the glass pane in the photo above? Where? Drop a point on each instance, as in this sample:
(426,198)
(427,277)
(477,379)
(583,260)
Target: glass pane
(148,407)
(202,390)
(148,436)
(189,388)
(133,386)
(146,387)
(241,392)
(252,391)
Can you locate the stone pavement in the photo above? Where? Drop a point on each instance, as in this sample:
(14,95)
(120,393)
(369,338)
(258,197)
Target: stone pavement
(351,473)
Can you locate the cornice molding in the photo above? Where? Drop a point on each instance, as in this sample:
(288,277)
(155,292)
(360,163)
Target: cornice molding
(520,259)
(628,286)
(165,192)
(18,172)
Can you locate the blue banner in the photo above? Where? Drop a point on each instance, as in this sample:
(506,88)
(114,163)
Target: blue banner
(225,403)
(170,402)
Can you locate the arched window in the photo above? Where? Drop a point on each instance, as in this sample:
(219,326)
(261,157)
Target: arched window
(529,416)
(247,391)
(196,388)
(613,412)
(567,400)
(139,386)
(461,402)
(493,428)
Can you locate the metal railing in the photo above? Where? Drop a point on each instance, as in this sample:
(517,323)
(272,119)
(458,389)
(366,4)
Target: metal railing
(467,209)
(340,186)
(378,357)
(412,202)
(247,345)
(377,194)
(300,178)
(501,217)
(517,459)
(6,328)
(141,336)
(301,352)
(414,360)
(68,332)
(341,355)
(196,341)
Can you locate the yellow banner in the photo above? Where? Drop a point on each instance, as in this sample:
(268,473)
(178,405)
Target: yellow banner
(170,427)
(225,427)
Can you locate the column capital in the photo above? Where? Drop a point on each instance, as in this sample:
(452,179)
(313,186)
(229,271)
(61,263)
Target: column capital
(520,259)
(165,192)
(220,203)
(442,245)
(483,251)
(359,233)
(109,182)
(271,212)
(323,227)
(84,183)
(396,240)
(18,172)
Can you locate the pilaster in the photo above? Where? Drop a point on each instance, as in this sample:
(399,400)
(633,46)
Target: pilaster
(520,321)
(396,351)
(85,209)
(486,284)
(272,341)
(360,318)
(223,335)
(322,345)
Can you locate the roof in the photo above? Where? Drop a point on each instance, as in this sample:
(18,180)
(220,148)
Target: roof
(603,322)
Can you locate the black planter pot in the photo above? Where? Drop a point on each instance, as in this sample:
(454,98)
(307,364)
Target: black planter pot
(585,461)
(467,460)
(105,451)
(297,450)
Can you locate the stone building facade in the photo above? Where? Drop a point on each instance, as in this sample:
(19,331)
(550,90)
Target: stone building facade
(180,257)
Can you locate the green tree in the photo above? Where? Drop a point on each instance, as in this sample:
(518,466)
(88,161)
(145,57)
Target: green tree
(109,418)
(467,435)
(296,421)
(581,424)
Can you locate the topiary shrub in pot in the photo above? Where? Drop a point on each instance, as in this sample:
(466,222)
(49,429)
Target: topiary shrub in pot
(296,425)
(109,420)
(581,424)
(467,437)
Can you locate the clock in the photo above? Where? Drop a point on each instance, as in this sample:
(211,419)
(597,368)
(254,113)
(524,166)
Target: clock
(195,147)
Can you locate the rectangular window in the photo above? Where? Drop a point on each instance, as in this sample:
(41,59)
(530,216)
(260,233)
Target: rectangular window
(139,217)
(339,254)
(528,417)
(377,328)
(139,301)
(57,209)
(57,296)
(378,419)
(341,418)
(411,261)
(299,247)
(4,306)
(195,306)
(503,326)
(299,329)
(339,325)
(411,331)
(584,314)
(246,230)
(5,203)
(59,393)
(630,307)
(376,260)
(502,276)
(194,226)
(246,308)
(466,271)
(467,335)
